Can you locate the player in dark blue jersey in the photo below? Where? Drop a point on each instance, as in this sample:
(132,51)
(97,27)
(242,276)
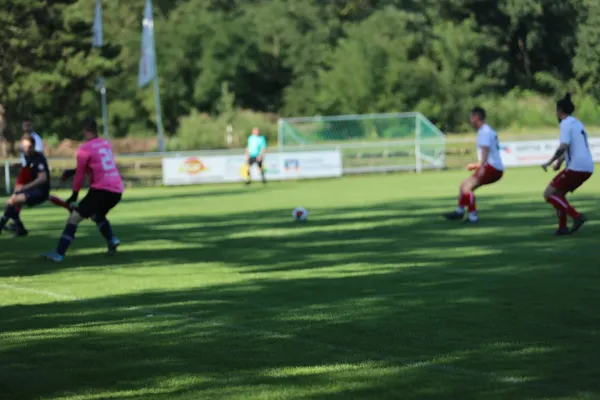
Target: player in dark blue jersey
(24,175)
(35,192)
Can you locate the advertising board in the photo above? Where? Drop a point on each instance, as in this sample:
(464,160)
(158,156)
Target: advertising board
(278,166)
(536,152)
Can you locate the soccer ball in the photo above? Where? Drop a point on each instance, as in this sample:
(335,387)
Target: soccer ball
(300,214)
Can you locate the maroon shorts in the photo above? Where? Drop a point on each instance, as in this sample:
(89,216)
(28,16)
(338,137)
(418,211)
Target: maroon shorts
(24,176)
(487,174)
(568,180)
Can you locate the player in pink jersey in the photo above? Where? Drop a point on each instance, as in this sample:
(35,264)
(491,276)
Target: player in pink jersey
(94,158)
(575,151)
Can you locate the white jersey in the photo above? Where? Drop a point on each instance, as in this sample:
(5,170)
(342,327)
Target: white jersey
(578,156)
(487,137)
(39,147)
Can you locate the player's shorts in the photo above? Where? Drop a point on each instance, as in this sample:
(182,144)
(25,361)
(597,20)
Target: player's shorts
(253,160)
(35,196)
(568,180)
(488,175)
(24,176)
(97,203)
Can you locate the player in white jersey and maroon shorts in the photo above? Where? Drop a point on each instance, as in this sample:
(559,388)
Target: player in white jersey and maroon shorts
(488,170)
(575,152)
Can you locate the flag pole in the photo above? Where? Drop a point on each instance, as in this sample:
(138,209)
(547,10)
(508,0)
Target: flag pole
(148,68)
(101,84)
(104,111)
(159,124)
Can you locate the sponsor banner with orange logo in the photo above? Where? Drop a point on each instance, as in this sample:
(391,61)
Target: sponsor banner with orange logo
(192,170)
(277,166)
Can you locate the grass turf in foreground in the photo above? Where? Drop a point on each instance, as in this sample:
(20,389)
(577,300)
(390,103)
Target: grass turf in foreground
(217,294)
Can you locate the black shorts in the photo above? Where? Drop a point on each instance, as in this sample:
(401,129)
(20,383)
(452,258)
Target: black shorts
(253,160)
(35,196)
(97,203)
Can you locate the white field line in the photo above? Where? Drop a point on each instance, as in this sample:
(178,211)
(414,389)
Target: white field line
(46,293)
(399,361)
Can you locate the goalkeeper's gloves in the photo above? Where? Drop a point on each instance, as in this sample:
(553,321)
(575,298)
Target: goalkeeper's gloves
(73,198)
(67,173)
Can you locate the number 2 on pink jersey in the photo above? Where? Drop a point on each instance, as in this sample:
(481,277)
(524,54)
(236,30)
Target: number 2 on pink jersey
(107,159)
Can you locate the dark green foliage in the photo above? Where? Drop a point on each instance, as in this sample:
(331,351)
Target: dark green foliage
(293,58)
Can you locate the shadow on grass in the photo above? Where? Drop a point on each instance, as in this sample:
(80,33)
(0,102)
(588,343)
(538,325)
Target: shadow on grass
(384,301)
(410,231)
(177,193)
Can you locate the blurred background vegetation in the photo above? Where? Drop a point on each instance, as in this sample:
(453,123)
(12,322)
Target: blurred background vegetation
(246,62)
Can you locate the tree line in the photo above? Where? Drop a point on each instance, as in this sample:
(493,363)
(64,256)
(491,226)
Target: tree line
(296,58)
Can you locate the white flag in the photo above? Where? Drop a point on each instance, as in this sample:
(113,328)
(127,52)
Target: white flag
(147,70)
(97,28)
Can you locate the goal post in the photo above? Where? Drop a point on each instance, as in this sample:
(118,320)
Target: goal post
(7,183)
(371,142)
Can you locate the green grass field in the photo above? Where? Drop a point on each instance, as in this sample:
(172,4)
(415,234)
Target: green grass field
(217,294)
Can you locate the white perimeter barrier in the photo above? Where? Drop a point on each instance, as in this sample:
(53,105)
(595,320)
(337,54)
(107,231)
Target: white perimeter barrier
(182,170)
(229,168)
(536,152)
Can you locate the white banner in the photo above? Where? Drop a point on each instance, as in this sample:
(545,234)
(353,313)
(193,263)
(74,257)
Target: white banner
(310,164)
(278,166)
(536,152)
(193,170)
(235,167)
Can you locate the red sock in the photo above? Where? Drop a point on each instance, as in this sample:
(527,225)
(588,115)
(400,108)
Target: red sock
(18,209)
(461,199)
(471,202)
(560,211)
(562,219)
(560,203)
(468,200)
